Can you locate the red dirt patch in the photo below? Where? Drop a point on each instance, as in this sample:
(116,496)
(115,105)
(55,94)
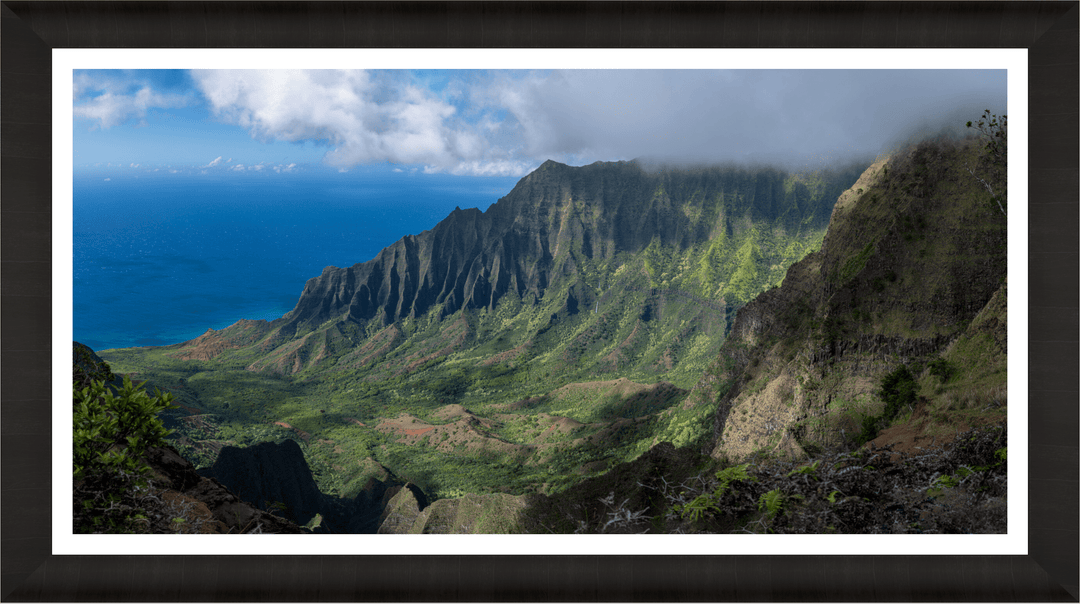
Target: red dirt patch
(923,432)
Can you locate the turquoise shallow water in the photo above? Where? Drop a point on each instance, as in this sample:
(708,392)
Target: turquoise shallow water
(160,259)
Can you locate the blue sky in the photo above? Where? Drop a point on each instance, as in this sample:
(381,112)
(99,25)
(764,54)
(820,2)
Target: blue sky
(505,123)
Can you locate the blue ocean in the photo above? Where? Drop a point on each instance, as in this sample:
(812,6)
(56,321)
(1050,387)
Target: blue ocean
(159,259)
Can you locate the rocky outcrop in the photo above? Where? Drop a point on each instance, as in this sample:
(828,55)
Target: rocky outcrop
(204,503)
(274,476)
(369,508)
(175,499)
(912,254)
(401,508)
(475,514)
(87,366)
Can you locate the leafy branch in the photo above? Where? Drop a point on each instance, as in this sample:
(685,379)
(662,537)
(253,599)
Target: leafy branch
(995,129)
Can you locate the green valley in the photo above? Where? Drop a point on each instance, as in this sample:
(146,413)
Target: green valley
(555,366)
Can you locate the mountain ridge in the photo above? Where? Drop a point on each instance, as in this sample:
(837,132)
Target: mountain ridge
(559,225)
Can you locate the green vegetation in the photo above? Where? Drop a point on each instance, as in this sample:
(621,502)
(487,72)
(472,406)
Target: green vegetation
(899,390)
(772,502)
(111,434)
(856,263)
(704,503)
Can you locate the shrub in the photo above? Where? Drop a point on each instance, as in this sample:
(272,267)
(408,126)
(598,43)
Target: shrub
(868,429)
(898,390)
(113,431)
(941,368)
(111,434)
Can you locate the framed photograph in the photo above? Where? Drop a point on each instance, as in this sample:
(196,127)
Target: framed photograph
(520,316)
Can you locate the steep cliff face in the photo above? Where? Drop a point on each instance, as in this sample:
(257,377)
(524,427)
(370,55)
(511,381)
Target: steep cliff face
(275,477)
(646,249)
(553,217)
(914,251)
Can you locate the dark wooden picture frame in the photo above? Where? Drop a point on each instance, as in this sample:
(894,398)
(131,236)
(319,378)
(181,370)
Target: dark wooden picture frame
(1049,30)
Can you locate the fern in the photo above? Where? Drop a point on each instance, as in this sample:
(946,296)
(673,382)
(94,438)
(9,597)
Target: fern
(710,502)
(772,502)
(730,475)
(697,508)
(809,470)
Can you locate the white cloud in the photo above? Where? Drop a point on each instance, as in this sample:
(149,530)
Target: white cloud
(213,163)
(504,123)
(119,102)
(237,168)
(362,117)
(495,168)
(107,179)
(257,167)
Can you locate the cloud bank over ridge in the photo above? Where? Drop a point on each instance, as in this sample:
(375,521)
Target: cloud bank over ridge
(507,122)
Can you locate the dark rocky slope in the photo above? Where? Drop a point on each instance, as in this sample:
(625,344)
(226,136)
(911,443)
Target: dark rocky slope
(959,487)
(206,505)
(913,253)
(276,477)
